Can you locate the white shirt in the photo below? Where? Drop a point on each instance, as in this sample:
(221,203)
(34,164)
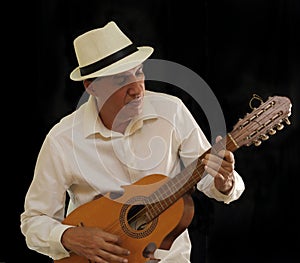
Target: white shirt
(84,158)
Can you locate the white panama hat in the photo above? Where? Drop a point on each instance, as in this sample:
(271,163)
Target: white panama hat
(106,51)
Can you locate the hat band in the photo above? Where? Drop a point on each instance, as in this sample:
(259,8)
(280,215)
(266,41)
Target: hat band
(102,63)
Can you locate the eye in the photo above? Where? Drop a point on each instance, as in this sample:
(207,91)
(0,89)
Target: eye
(139,72)
(121,80)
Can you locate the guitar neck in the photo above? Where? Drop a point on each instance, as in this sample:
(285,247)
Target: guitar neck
(175,188)
(253,128)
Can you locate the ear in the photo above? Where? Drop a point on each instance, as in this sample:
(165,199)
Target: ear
(88,85)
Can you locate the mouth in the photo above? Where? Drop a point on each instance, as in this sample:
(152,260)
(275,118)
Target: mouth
(134,107)
(136,101)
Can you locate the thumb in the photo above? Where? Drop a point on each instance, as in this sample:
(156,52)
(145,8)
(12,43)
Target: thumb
(218,138)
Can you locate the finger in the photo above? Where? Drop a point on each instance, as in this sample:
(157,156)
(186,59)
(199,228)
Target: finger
(227,156)
(108,237)
(213,172)
(216,168)
(106,252)
(218,138)
(218,164)
(115,249)
(214,161)
(112,257)
(212,158)
(224,159)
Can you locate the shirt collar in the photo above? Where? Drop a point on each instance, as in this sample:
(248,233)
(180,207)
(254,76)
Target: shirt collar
(92,124)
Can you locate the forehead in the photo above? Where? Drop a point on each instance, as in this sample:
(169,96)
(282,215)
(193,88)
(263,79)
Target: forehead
(127,72)
(108,79)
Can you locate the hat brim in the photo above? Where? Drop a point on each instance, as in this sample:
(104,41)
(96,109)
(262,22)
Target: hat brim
(122,65)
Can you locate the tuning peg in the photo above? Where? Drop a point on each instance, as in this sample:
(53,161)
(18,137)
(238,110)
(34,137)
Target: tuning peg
(264,137)
(272,131)
(279,126)
(287,121)
(257,142)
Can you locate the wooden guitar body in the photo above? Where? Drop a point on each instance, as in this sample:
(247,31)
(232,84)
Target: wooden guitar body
(124,216)
(155,210)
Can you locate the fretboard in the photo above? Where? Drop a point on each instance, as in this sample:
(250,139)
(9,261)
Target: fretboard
(174,188)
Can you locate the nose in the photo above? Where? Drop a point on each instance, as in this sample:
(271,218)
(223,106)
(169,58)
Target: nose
(135,89)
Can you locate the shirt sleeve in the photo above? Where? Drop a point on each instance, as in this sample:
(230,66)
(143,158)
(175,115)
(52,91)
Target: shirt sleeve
(193,144)
(207,186)
(179,251)
(41,219)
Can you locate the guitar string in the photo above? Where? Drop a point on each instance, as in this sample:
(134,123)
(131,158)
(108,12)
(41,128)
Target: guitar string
(152,208)
(144,210)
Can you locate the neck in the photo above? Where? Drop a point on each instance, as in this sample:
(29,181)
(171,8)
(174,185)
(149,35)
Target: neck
(113,122)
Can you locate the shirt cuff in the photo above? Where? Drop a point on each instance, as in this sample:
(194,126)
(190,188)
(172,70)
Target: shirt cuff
(58,251)
(220,196)
(235,192)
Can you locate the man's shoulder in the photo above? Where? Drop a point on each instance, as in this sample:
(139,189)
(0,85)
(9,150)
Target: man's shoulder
(155,95)
(67,123)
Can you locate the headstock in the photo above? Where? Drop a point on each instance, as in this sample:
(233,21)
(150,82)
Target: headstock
(263,121)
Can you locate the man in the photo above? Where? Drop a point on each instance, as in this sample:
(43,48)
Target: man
(120,135)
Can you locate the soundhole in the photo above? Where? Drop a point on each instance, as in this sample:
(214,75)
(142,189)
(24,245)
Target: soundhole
(133,218)
(136,217)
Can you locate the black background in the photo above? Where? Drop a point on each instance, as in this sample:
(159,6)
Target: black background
(239,48)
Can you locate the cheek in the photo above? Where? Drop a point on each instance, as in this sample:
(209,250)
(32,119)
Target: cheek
(117,99)
(106,94)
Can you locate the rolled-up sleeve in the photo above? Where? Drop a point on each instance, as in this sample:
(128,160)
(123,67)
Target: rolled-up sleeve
(207,186)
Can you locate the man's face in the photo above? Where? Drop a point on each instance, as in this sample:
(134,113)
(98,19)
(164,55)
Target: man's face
(120,95)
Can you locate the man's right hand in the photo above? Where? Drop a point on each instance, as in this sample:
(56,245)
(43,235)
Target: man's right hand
(94,244)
